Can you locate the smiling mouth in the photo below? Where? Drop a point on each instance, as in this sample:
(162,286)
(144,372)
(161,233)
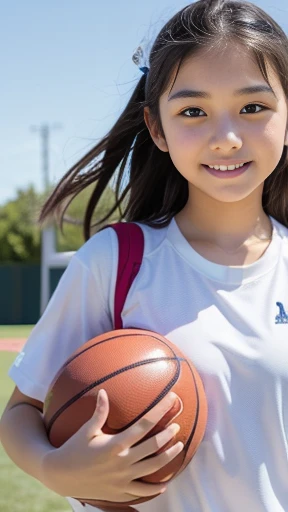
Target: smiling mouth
(229,173)
(224,168)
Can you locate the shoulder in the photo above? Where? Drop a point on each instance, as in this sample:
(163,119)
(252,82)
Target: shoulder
(280,230)
(103,246)
(154,237)
(280,237)
(99,250)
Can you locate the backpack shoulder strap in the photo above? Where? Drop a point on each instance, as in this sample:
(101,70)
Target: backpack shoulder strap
(131,249)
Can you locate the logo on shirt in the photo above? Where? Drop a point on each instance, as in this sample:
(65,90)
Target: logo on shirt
(19,358)
(282,317)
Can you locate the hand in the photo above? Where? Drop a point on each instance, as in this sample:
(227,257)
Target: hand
(94,465)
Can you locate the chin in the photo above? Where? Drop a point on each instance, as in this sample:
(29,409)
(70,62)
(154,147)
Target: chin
(230,196)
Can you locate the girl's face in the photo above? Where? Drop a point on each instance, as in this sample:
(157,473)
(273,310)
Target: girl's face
(219,125)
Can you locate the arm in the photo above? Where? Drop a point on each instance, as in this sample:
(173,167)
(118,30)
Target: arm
(26,446)
(115,463)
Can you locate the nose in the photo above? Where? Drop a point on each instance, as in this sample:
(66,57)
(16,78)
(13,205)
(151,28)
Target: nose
(225,137)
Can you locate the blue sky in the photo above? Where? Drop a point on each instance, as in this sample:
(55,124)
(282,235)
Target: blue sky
(69,62)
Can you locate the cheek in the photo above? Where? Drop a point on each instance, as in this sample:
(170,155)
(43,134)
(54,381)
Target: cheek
(272,135)
(184,140)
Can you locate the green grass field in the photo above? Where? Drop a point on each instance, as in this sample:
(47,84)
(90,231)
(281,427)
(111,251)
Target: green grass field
(20,492)
(15,331)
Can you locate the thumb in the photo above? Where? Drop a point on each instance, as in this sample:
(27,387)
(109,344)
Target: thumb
(100,415)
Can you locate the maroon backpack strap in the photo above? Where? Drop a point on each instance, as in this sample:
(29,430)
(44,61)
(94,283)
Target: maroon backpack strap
(131,249)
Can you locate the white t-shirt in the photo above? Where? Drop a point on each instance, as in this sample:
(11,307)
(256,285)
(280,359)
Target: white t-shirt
(230,321)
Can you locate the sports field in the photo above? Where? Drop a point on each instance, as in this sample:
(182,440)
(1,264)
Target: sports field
(18,491)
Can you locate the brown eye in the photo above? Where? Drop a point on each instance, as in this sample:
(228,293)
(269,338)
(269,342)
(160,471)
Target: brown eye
(194,110)
(251,108)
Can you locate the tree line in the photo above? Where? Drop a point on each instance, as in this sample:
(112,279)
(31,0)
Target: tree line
(20,232)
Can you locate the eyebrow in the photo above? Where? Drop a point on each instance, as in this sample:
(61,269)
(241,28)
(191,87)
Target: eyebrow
(189,93)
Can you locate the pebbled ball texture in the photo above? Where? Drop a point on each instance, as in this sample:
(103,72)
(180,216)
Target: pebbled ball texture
(137,368)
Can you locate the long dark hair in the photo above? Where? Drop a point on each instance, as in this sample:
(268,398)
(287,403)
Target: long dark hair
(155,191)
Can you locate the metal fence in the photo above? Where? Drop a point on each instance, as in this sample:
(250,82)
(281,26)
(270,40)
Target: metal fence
(20,292)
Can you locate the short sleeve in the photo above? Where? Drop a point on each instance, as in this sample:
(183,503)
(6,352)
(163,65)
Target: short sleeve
(80,309)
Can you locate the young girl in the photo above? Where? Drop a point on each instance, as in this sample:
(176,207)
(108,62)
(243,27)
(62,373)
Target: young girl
(206,130)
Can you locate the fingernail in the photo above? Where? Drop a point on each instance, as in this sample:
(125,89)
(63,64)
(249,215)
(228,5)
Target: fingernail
(174,428)
(100,397)
(172,396)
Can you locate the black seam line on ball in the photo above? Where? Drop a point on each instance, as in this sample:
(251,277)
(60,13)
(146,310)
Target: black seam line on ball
(189,440)
(113,338)
(194,426)
(104,379)
(161,395)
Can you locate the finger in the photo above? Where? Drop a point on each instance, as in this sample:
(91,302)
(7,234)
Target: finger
(142,427)
(147,467)
(141,490)
(152,445)
(93,426)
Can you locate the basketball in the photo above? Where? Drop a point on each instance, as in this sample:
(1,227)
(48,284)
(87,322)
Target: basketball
(137,368)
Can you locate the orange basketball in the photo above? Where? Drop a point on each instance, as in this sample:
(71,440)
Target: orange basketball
(137,368)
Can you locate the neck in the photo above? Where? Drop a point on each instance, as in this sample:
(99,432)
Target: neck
(224,224)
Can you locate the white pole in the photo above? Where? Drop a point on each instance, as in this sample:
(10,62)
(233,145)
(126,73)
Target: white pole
(50,259)
(47,247)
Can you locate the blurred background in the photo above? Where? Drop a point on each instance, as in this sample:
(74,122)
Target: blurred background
(66,75)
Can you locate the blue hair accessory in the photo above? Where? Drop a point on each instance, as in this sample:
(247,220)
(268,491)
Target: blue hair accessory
(140,56)
(144,70)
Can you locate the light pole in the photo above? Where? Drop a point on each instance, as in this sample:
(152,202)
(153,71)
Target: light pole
(48,234)
(44,131)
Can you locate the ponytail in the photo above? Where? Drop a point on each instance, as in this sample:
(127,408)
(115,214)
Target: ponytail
(115,148)
(152,191)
